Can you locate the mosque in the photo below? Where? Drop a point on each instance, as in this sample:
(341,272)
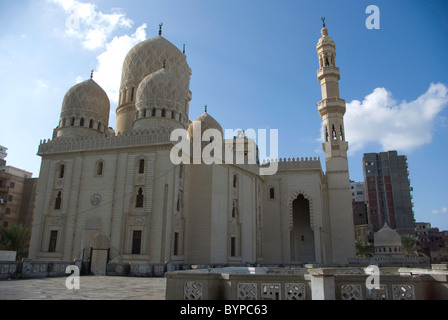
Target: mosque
(116,195)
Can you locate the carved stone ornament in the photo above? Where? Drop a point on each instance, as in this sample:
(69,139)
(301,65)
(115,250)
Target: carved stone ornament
(95,200)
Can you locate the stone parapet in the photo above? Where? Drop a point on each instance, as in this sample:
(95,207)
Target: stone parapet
(126,140)
(296,163)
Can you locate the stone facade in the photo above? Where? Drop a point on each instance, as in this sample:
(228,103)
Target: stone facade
(117,197)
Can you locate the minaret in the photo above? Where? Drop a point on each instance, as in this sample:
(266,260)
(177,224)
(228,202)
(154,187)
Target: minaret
(332,110)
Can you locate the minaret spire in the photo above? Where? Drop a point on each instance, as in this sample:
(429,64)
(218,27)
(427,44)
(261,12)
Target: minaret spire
(160,28)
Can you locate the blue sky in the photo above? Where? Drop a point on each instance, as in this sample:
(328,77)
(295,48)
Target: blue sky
(254,64)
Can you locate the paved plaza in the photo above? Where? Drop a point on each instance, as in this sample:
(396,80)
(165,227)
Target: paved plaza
(91,288)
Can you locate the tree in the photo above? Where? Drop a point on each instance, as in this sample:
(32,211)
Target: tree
(15,238)
(409,243)
(364,249)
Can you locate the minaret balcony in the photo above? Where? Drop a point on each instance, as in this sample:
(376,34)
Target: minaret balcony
(331,105)
(328,71)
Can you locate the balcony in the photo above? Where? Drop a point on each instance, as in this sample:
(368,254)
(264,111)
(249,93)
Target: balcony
(328,71)
(331,105)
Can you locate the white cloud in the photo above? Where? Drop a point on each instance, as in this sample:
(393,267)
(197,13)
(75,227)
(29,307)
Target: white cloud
(403,126)
(110,62)
(90,26)
(94,30)
(443,211)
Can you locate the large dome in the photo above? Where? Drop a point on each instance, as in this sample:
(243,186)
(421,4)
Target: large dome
(149,56)
(86,96)
(85,105)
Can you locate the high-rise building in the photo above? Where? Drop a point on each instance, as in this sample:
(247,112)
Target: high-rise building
(387,190)
(360,220)
(17,196)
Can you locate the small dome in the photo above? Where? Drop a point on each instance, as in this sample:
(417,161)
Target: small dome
(86,99)
(207,122)
(160,90)
(386,237)
(325,39)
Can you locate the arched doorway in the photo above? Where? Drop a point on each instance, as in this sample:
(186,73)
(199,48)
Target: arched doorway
(302,236)
(99,255)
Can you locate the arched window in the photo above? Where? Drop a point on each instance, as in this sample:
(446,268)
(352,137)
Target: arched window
(144,113)
(172,115)
(132,94)
(163,113)
(81,122)
(99,168)
(99,126)
(139,200)
(181,171)
(271,193)
(61,171)
(141,166)
(91,123)
(153,112)
(235,180)
(57,203)
(73,121)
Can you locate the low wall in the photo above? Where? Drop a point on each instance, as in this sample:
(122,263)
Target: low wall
(27,269)
(308,284)
(136,269)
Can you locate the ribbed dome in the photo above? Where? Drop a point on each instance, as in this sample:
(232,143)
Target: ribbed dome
(86,99)
(149,56)
(85,110)
(386,237)
(207,122)
(160,90)
(325,39)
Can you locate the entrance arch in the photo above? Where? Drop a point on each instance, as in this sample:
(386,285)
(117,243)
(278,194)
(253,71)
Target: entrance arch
(302,244)
(99,255)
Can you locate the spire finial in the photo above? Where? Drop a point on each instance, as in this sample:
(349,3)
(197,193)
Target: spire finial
(91,74)
(323,22)
(183,51)
(205,108)
(160,28)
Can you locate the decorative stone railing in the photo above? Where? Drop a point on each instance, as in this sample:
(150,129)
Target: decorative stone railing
(33,269)
(307,284)
(137,269)
(390,261)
